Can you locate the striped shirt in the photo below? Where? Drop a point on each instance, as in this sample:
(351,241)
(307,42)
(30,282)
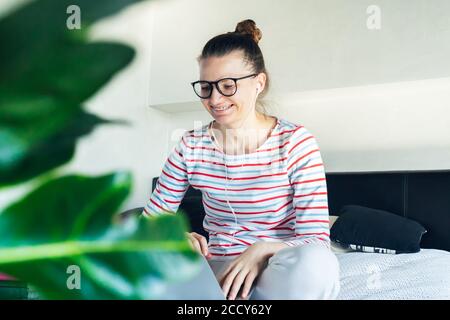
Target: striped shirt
(277,193)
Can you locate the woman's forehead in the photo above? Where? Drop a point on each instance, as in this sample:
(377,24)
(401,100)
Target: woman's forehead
(230,65)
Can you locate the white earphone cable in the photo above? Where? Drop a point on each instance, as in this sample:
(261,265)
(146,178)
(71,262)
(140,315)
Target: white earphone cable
(226,171)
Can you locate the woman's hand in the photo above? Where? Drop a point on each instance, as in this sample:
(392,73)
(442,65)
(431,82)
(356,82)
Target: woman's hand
(246,267)
(198,243)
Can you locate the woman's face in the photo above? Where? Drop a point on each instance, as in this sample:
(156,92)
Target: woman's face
(243,101)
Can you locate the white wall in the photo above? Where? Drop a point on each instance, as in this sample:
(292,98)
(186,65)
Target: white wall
(308,44)
(386,127)
(141,146)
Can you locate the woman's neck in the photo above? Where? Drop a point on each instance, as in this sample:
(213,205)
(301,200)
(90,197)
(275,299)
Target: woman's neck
(239,129)
(245,137)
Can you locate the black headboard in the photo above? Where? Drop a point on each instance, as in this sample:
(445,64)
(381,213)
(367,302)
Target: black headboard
(423,196)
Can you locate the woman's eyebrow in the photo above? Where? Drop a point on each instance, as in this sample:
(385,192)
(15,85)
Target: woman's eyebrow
(224,77)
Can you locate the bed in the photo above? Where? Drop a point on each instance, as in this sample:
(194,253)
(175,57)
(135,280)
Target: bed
(374,276)
(423,196)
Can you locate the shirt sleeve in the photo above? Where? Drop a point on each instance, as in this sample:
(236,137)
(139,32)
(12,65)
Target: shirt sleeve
(307,176)
(172,183)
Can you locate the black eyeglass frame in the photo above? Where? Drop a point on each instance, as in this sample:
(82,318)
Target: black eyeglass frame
(216,84)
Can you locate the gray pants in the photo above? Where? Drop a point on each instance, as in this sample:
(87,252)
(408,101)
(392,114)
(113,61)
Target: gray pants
(302,272)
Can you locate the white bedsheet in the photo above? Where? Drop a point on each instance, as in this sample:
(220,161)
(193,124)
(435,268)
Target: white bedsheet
(422,275)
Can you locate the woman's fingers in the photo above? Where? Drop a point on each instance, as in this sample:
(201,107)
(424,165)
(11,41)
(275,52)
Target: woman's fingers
(194,244)
(237,277)
(202,242)
(237,283)
(228,280)
(188,236)
(199,243)
(225,272)
(204,245)
(197,246)
(251,276)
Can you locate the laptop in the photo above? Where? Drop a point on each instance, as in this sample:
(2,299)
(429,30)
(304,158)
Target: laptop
(203,286)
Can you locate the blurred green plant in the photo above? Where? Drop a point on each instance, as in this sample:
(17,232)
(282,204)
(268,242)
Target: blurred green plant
(47,72)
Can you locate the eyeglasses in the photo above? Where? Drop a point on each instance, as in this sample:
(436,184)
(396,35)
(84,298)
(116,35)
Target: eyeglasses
(226,86)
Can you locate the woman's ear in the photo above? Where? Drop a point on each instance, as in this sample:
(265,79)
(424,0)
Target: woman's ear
(261,82)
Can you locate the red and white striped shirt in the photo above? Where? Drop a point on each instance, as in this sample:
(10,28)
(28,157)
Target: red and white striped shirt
(278,192)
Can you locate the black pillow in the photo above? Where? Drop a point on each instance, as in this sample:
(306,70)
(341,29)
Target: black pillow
(372,230)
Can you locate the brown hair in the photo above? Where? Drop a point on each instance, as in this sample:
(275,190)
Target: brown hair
(245,38)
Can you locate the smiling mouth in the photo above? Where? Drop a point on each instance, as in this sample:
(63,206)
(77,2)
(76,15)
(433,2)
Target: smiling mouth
(221,108)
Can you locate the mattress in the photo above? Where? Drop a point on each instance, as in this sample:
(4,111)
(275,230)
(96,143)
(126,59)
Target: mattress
(374,276)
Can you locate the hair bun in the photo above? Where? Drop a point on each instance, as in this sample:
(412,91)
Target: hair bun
(248,27)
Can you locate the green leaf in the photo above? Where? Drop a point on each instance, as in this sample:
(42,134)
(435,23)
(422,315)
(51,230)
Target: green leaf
(47,73)
(68,71)
(26,151)
(69,222)
(30,33)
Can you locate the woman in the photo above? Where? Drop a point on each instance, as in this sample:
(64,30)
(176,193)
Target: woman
(262,182)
